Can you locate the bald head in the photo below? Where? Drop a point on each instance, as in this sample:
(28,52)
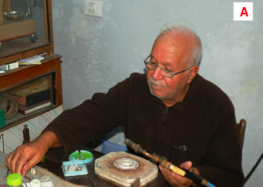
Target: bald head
(180,39)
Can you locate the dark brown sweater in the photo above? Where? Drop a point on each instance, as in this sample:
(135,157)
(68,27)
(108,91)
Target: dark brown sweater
(201,128)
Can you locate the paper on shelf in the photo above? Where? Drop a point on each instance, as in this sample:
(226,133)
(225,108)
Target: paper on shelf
(33,59)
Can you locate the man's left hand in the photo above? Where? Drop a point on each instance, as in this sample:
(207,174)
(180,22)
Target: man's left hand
(177,180)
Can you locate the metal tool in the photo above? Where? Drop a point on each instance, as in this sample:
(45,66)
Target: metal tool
(7,172)
(2,136)
(24,181)
(168,165)
(26,135)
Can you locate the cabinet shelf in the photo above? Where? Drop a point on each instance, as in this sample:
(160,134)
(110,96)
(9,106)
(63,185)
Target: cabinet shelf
(50,68)
(20,118)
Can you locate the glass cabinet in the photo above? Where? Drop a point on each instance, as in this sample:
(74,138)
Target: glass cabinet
(25,29)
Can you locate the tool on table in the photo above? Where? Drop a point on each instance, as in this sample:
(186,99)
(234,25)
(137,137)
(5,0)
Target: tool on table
(7,172)
(24,181)
(168,165)
(26,135)
(2,136)
(123,169)
(82,157)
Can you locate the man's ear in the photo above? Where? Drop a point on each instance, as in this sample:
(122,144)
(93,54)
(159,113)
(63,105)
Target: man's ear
(193,73)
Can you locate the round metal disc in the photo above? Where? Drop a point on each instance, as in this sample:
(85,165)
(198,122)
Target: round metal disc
(126,163)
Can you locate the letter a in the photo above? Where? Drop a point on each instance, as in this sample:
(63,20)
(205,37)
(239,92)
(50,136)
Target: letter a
(244,11)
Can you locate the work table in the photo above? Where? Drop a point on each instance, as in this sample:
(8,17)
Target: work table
(91,179)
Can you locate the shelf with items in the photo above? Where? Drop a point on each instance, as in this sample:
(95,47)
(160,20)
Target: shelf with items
(18,79)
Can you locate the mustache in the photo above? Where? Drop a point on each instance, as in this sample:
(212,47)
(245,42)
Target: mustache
(156,82)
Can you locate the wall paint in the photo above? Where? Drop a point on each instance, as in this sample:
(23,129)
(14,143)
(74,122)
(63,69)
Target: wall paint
(99,52)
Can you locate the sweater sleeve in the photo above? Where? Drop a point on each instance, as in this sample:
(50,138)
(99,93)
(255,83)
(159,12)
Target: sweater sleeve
(89,121)
(222,165)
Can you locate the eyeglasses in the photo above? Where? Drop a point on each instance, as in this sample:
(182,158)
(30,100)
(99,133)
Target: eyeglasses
(166,73)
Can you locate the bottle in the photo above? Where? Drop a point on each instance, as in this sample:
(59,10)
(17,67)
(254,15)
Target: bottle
(14,180)
(35,183)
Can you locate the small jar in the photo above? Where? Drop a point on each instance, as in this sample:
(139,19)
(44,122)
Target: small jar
(14,180)
(35,183)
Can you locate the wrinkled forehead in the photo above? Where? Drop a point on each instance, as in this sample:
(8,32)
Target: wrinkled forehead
(175,41)
(177,46)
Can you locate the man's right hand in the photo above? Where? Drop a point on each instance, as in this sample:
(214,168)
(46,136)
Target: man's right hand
(25,156)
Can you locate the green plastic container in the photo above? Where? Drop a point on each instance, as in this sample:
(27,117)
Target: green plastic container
(2,117)
(88,156)
(14,180)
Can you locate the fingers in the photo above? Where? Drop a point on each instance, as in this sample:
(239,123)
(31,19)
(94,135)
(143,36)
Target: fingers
(186,165)
(23,158)
(175,179)
(167,175)
(10,158)
(27,155)
(7,161)
(28,165)
(16,160)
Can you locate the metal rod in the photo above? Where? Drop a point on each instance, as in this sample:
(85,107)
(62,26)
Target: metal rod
(7,172)
(2,135)
(168,165)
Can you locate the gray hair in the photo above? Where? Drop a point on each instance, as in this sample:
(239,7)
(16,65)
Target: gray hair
(178,28)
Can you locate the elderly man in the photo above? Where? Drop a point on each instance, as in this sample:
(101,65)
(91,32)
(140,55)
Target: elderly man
(170,110)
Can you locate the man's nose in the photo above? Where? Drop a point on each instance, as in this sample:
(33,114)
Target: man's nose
(157,74)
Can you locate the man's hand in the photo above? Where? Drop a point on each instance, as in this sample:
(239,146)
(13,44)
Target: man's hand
(27,155)
(177,180)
